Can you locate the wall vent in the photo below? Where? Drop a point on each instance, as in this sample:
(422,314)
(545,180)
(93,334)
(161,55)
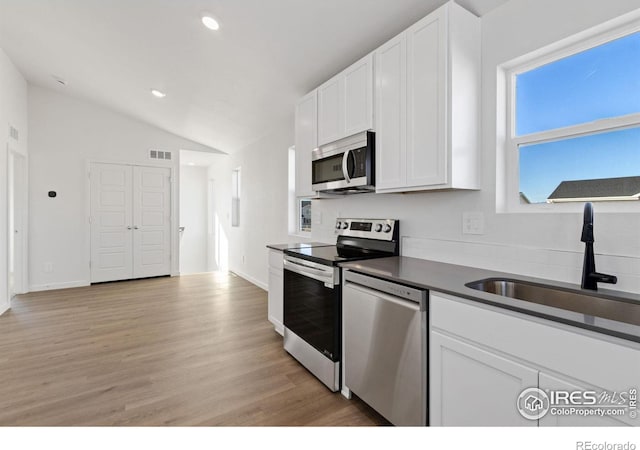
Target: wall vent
(13,133)
(160,154)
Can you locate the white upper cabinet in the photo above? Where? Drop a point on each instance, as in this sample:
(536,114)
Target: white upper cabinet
(427,95)
(306,123)
(391,112)
(345,102)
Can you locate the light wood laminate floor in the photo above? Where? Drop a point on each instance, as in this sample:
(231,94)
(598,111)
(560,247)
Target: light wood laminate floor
(191,350)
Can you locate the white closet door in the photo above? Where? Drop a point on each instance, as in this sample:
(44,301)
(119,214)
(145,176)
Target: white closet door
(111,220)
(151,221)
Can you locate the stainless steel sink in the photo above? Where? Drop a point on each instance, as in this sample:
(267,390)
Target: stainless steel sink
(596,304)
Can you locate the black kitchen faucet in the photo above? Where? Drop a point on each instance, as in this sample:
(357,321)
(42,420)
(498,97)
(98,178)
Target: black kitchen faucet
(591,278)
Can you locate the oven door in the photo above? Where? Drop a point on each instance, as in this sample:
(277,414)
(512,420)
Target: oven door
(312,309)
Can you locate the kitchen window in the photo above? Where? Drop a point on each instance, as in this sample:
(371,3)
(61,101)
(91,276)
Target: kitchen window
(573,123)
(304,211)
(299,208)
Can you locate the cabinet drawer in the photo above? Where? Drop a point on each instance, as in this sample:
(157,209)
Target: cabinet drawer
(601,361)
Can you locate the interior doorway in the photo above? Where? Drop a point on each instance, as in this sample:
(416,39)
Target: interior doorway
(202,243)
(17,208)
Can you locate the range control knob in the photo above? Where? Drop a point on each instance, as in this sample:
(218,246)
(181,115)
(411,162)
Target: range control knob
(378,228)
(387,228)
(338,225)
(345,225)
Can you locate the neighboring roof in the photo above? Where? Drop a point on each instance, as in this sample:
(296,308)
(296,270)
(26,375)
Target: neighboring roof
(623,188)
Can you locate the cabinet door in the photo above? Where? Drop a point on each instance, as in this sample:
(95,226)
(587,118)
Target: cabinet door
(358,97)
(390,117)
(426,159)
(276,287)
(470,386)
(306,142)
(275,303)
(330,111)
(549,382)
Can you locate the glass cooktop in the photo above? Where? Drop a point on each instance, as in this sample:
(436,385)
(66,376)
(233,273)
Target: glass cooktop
(332,255)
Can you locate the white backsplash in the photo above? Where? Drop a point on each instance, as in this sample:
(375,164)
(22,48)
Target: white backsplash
(559,265)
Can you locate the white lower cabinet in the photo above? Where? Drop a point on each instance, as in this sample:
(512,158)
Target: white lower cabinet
(276,290)
(549,382)
(471,386)
(481,358)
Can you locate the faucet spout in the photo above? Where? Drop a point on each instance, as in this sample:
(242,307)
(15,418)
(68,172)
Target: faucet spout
(591,278)
(587,224)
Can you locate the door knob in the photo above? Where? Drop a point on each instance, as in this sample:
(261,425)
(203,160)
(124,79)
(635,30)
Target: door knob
(129,227)
(135,227)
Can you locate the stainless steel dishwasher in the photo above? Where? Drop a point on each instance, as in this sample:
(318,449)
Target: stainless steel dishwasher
(385,347)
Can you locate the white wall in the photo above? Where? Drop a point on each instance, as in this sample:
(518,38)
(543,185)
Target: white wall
(263,201)
(544,245)
(193,217)
(66,133)
(13,110)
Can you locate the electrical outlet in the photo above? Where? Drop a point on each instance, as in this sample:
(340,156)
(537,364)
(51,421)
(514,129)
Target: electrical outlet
(243,259)
(48,267)
(473,223)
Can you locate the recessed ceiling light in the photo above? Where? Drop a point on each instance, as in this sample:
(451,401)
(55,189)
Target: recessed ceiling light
(191,164)
(210,22)
(158,93)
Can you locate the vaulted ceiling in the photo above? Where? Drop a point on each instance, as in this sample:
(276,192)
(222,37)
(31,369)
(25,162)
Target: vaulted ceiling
(225,89)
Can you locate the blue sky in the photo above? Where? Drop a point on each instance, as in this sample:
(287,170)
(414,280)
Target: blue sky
(599,83)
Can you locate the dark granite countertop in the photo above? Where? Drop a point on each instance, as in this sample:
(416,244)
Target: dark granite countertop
(451,279)
(292,245)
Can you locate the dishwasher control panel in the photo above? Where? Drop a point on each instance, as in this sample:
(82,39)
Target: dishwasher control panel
(418,296)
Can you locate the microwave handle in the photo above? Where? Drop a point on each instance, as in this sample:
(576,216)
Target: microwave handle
(345,166)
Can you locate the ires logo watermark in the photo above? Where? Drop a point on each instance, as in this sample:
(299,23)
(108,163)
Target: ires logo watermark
(534,403)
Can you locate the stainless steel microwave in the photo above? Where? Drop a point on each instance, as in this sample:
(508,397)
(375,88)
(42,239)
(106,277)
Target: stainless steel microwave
(346,166)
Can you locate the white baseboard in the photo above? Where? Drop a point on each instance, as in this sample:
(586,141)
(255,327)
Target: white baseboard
(4,308)
(252,280)
(54,286)
(277,325)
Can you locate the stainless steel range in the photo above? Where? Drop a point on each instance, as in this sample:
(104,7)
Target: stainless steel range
(312,294)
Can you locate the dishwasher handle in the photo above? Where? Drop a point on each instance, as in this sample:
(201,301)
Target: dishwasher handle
(408,304)
(396,293)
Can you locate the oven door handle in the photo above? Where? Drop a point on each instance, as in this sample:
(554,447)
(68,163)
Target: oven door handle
(345,166)
(316,274)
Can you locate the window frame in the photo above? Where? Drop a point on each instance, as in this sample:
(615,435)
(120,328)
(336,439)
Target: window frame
(508,157)
(294,209)
(299,229)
